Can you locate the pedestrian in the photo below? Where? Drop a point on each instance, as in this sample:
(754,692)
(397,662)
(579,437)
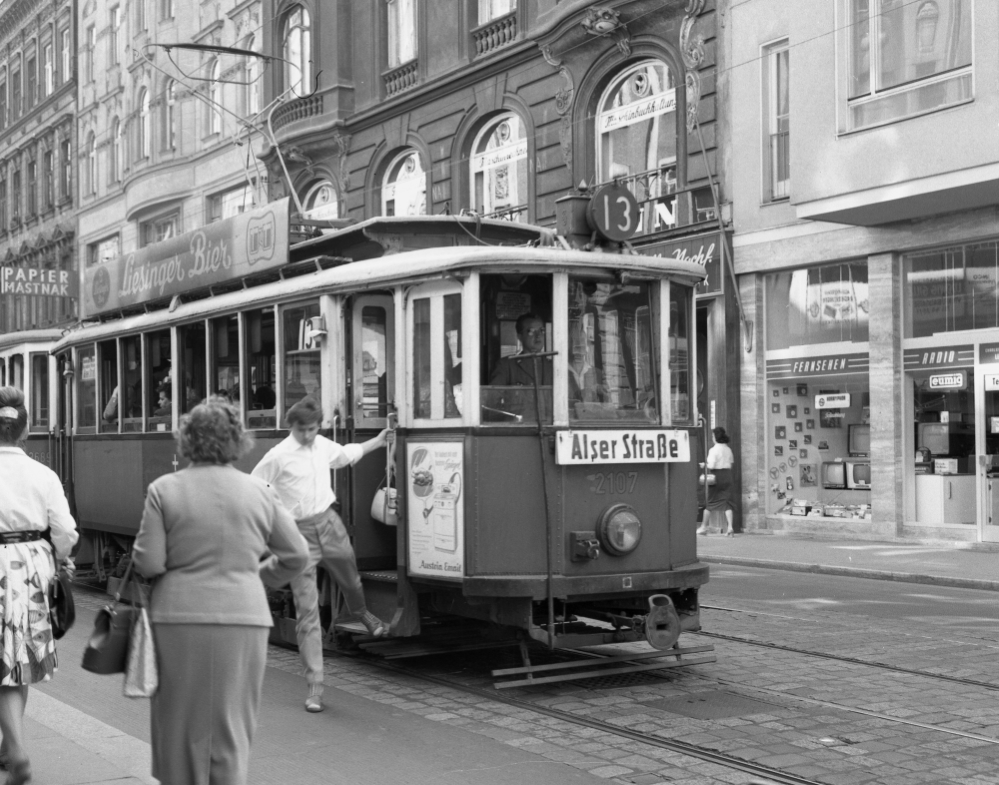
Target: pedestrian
(33,502)
(203,534)
(719,462)
(299,470)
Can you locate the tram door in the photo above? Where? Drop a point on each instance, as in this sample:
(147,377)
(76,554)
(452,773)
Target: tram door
(988,463)
(372,396)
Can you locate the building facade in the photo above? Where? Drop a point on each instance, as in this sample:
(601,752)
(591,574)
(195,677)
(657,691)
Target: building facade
(504,107)
(37,149)
(865,184)
(168,136)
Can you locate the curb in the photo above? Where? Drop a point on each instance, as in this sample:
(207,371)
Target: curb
(856,572)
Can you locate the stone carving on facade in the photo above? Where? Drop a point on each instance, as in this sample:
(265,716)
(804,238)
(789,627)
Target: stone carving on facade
(692,52)
(604,22)
(563,105)
(341,147)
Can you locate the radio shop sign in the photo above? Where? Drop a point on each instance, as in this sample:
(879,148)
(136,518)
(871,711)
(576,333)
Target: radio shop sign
(39,283)
(222,251)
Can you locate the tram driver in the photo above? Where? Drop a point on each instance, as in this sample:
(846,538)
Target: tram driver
(517,371)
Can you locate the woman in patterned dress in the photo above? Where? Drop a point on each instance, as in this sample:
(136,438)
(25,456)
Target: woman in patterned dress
(31,501)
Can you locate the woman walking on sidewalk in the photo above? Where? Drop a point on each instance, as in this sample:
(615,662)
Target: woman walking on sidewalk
(204,532)
(720,495)
(33,501)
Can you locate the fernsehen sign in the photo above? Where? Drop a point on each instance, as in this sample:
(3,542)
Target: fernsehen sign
(244,244)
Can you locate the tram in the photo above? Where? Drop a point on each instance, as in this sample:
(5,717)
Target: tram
(26,362)
(561,510)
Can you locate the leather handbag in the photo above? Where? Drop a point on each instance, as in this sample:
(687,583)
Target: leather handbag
(384,507)
(706,479)
(107,649)
(62,609)
(141,673)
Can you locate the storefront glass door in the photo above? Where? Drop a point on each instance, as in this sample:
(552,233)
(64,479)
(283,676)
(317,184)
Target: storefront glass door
(988,451)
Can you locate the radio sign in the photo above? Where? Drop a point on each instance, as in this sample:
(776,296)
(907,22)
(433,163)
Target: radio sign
(832,401)
(948,381)
(630,446)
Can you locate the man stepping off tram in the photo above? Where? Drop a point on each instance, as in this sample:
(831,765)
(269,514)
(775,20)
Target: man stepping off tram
(299,471)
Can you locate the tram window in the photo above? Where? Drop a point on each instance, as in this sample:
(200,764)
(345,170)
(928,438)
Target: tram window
(225,358)
(86,390)
(130,393)
(3,372)
(437,366)
(376,361)
(517,320)
(421,358)
(612,372)
(17,371)
(452,356)
(107,358)
(193,365)
(261,349)
(301,355)
(39,411)
(679,354)
(159,381)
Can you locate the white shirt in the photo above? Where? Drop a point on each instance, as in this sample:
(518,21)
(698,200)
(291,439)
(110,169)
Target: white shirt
(33,500)
(301,475)
(720,456)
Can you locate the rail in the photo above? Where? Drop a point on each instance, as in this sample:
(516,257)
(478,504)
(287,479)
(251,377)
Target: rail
(664,206)
(495,34)
(400,79)
(298,109)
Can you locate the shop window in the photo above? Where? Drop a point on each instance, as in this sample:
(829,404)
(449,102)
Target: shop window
(611,372)
(297,38)
(436,380)
(107,359)
(401,31)
(38,408)
(192,383)
(636,137)
(302,361)
(225,358)
(517,313)
(499,169)
(952,289)
(86,389)
(130,394)
(404,187)
(905,59)
(825,304)
(159,381)
(260,365)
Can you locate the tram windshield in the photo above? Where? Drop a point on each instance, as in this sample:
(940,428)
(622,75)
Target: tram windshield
(612,350)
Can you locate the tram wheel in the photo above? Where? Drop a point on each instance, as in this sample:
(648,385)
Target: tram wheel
(662,625)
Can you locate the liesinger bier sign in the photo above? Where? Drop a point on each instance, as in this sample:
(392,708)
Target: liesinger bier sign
(629,446)
(222,251)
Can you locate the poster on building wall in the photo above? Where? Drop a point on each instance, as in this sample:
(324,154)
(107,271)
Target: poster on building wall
(435,473)
(829,303)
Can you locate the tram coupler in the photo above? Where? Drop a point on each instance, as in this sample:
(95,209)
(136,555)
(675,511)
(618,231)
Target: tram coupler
(662,624)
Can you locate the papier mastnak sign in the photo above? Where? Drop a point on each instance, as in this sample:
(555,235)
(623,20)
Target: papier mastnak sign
(230,249)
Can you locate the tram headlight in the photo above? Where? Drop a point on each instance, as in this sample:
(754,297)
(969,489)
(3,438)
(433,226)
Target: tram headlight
(619,530)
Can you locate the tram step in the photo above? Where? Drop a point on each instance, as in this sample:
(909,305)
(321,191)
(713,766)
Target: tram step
(388,576)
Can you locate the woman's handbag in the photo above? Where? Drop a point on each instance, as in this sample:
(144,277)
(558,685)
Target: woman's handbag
(141,675)
(107,649)
(62,610)
(384,507)
(706,479)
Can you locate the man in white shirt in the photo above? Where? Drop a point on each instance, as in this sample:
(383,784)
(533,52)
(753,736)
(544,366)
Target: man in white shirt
(299,471)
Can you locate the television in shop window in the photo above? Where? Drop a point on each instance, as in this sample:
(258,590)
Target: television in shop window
(858,442)
(834,474)
(858,475)
(946,438)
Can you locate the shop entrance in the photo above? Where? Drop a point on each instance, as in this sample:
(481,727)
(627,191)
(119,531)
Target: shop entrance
(988,451)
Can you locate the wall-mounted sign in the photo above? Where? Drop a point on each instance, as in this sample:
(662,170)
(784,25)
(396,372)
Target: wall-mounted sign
(832,401)
(638,111)
(613,212)
(957,380)
(807,367)
(632,446)
(37,282)
(988,353)
(991,382)
(435,508)
(941,357)
(702,249)
(226,250)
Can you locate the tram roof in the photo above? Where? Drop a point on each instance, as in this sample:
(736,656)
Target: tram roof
(392,270)
(384,235)
(49,335)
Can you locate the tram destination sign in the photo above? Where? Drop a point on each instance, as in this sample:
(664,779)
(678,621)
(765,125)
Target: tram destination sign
(624,446)
(226,250)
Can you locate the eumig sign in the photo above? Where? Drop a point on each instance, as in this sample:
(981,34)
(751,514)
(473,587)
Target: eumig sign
(246,243)
(628,446)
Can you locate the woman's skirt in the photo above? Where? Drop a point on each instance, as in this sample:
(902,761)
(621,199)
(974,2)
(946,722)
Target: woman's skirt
(29,653)
(204,712)
(720,494)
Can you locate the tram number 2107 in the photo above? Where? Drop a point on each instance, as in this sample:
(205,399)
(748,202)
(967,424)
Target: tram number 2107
(613,482)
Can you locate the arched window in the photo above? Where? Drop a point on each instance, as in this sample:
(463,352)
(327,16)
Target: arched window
(91,164)
(321,201)
(115,162)
(636,133)
(170,115)
(214,124)
(296,36)
(251,94)
(404,187)
(499,169)
(144,141)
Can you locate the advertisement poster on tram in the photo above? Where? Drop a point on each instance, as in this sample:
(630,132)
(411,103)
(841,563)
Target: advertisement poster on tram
(435,508)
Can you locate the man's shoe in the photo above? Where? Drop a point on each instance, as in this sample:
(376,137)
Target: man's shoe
(376,627)
(314,703)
